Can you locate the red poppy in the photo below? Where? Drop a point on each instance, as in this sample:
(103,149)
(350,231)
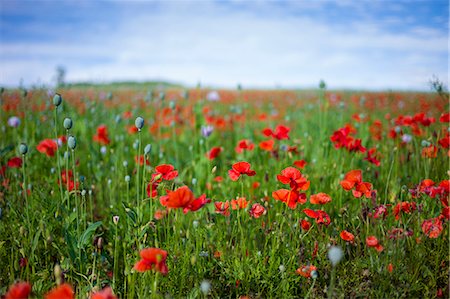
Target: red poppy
(320,199)
(281,132)
(405,207)
(372,241)
(429,151)
(19,290)
(132,129)
(353,179)
(305,271)
(293,177)
(67,180)
(239,203)
(244,145)
(180,198)
(106,293)
(256,210)
(152,259)
(48,147)
(15,162)
(290,197)
(102,135)
(222,208)
(214,152)
(321,216)
(267,145)
(165,172)
(445,117)
(380,211)
(390,268)
(371,157)
(305,224)
(141,160)
(300,163)
(239,169)
(432,227)
(347,236)
(197,204)
(63,291)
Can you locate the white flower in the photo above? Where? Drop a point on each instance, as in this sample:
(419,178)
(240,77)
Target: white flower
(335,255)
(205,286)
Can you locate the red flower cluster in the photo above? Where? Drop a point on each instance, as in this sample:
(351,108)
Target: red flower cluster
(239,169)
(183,198)
(152,259)
(102,135)
(342,138)
(281,132)
(48,147)
(353,179)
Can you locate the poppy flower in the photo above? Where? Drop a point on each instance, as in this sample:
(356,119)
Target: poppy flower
(267,145)
(353,179)
(347,236)
(214,152)
(290,197)
(197,204)
(371,157)
(48,147)
(372,241)
(305,224)
(152,259)
(15,162)
(432,227)
(300,163)
(390,267)
(165,172)
(239,203)
(293,177)
(141,160)
(244,145)
(380,212)
(305,271)
(180,198)
(321,216)
(19,290)
(256,210)
(429,151)
(222,208)
(102,135)
(445,117)
(63,291)
(281,132)
(320,199)
(152,189)
(239,169)
(106,293)
(405,207)
(67,180)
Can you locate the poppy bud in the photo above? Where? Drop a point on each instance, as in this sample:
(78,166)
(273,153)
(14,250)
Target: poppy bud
(23,149)
(72,142)
(314,274)
(335,255)
(57,100)
(139,123)
(58,274)
(147,149)
(100,243)
(127,178)
(67,123)
(205,287)
(115,219)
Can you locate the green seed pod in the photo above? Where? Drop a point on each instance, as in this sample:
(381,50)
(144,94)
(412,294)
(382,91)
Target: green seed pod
(139,122)
(67,123)
(72,142)
(147,149)
(57,100)
(23,149)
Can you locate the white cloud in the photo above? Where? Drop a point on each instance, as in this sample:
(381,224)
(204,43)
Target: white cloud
(222,46)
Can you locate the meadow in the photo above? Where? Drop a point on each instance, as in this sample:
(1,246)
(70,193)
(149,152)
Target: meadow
(139,193)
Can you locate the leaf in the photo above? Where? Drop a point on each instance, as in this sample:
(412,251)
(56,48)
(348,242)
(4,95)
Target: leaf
(88,233)
(6,150)
(132,215)
(35,240)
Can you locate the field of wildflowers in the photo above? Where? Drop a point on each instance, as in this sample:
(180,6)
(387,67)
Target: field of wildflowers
(223,194)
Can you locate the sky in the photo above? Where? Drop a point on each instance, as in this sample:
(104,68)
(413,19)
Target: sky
(359,44)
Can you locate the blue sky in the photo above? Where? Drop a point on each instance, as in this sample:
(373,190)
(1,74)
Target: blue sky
(350,44)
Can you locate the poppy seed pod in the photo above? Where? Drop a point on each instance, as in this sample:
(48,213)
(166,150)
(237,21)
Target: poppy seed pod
(57,100)
(147,149)
(139,122)
(23,149)
(335,255)
(72,142)
(67,123)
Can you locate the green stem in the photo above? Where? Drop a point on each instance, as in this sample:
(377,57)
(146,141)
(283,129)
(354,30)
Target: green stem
(57,155)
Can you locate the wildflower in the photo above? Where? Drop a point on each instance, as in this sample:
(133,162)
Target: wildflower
(300,163)
(48,147)
(214,152)
(205,287)
(405,207)
(335,255)
(256,210)
(390,268)
(321,216)
(213,96)
(152,259)
(15,162)
(165,172)
(19,290)
(305,271)
(244,145)
(372,241)
(106,293)
(239,203)
(63,291)
(13,121)
(320,199)
(432,227)
(239,169)
(267,145)
(289,197)
(102,135)
(305,224)
(207,130)
(294,178)
(347,236)
(222,208)
(353,179)
(180,198)
(281,132)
